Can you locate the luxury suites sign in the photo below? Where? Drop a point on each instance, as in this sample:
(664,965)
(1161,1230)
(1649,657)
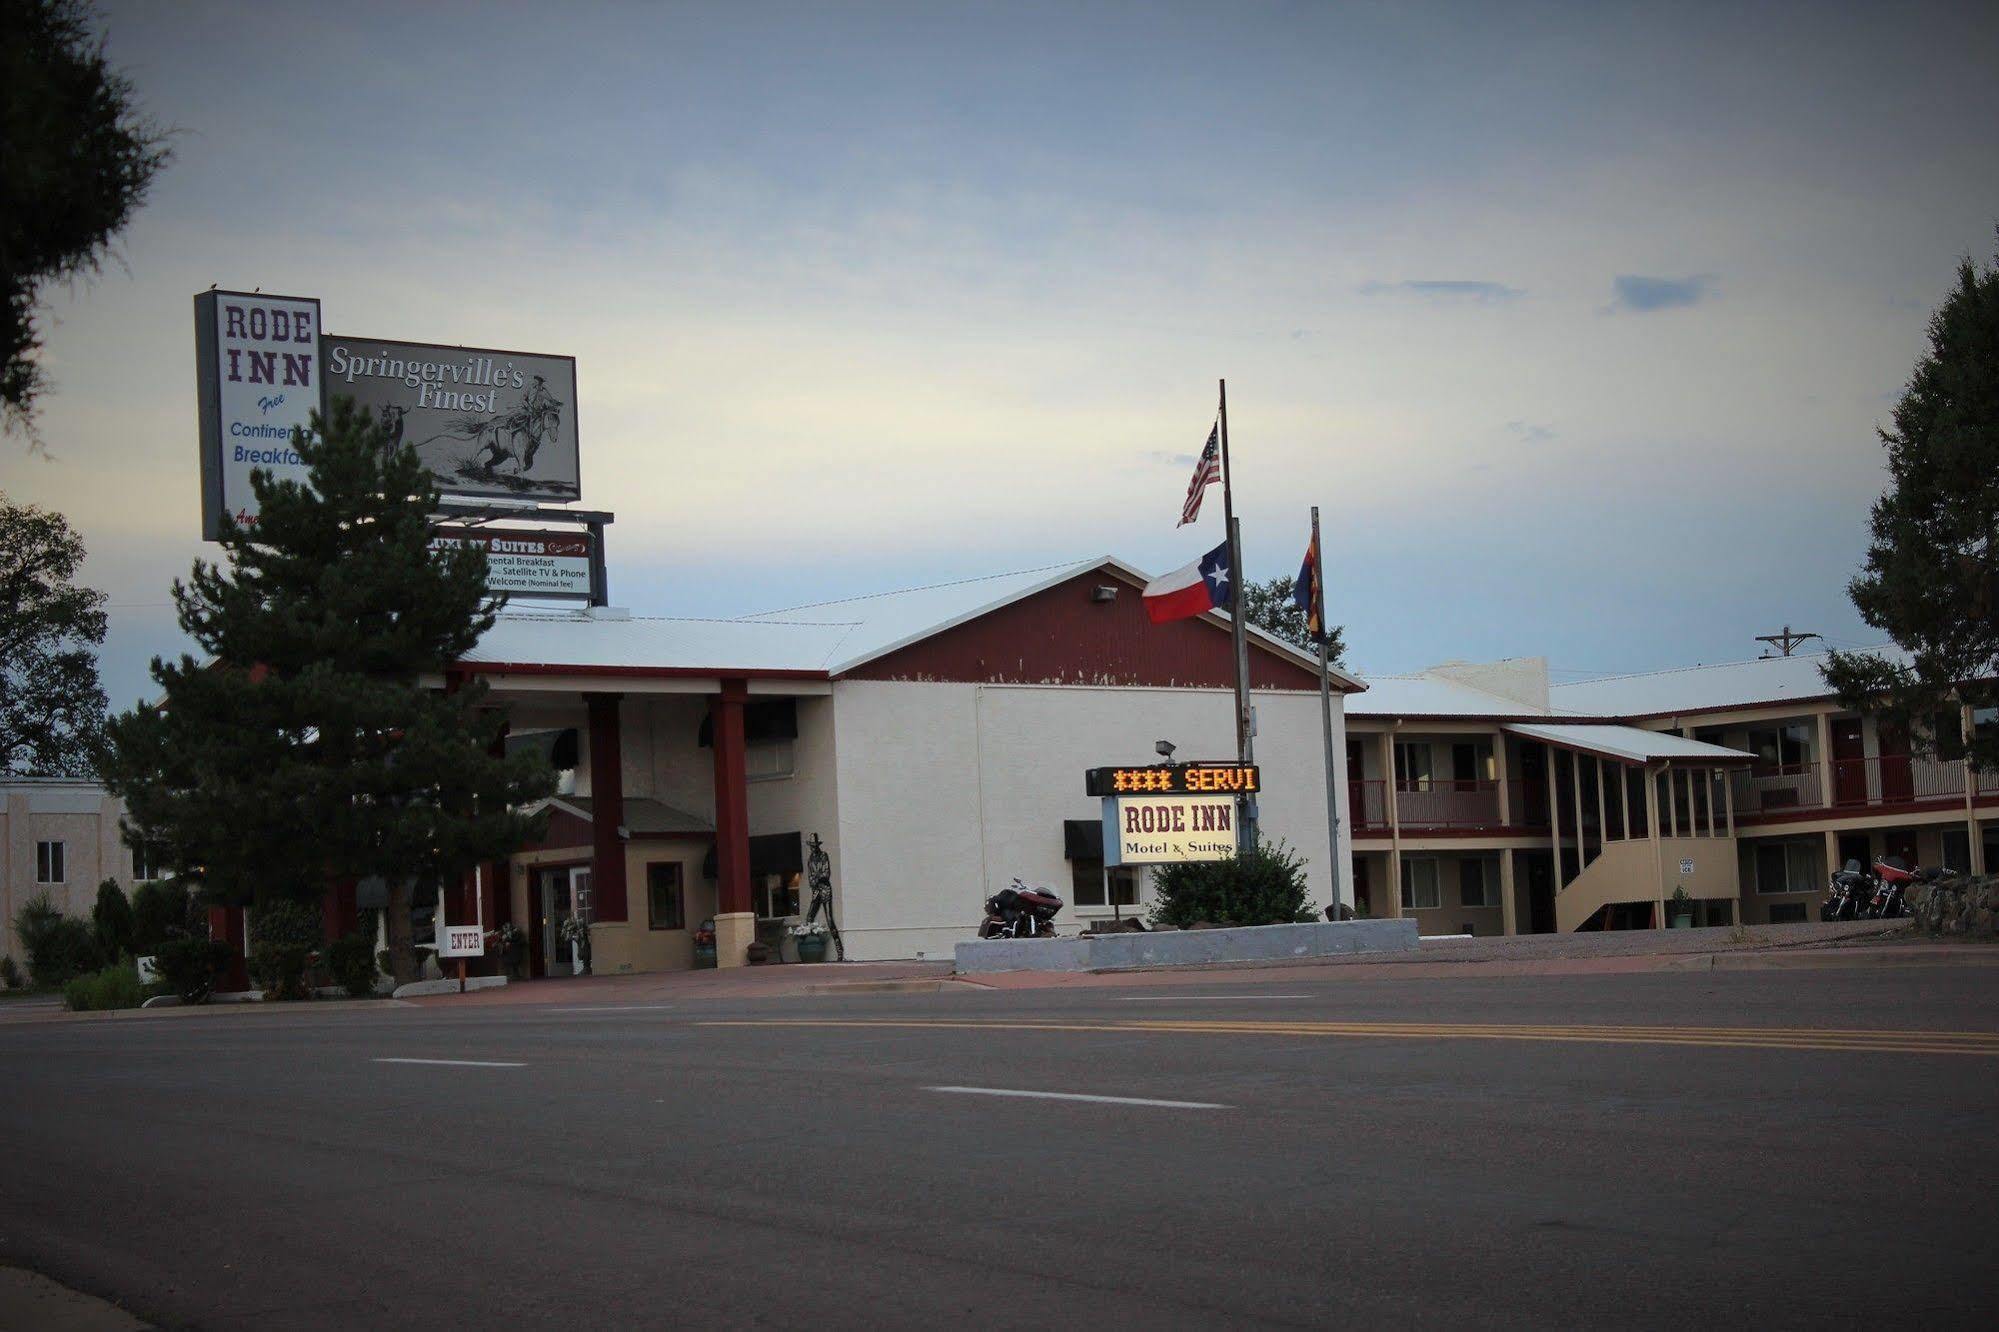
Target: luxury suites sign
(539,564)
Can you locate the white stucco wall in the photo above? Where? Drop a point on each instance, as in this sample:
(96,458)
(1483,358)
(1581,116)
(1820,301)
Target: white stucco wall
(946,792)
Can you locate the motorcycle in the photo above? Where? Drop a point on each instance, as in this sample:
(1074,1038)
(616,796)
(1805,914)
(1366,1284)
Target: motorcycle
(1020,912)
(1848,892)
(1890,899)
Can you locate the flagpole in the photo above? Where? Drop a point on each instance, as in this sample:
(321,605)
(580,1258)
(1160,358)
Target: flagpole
(1326,707)
(1245,739)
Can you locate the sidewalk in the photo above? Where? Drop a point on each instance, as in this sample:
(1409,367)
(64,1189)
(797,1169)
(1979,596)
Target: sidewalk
(655,987)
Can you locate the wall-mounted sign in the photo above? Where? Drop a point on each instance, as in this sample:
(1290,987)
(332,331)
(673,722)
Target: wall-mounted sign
(485,422)
(1166,830)
(1174,779)
(256,380)
(528,564)
(461,941)
(1687,865)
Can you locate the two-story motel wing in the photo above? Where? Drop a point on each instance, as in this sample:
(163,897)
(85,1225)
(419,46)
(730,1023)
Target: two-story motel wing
(1487,801)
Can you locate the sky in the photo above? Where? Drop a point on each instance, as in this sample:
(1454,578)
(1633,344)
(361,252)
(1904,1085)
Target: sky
(1577,322)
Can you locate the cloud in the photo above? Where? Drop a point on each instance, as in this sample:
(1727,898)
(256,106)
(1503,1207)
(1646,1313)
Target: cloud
(1177,459)
(1642,295)
(1527,432)
(1447,289)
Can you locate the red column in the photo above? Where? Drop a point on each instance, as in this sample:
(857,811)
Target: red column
(732,800)
(607,803)
(226,924)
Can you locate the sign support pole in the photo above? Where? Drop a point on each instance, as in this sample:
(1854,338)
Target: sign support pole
(1245,740)
(1326,709)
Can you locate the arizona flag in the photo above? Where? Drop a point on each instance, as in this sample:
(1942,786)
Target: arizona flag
(1204,585)
(1308,594)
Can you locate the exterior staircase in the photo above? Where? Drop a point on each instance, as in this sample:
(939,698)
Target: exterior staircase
(1645,870)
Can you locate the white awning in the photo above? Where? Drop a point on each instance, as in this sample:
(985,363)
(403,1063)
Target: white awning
(1629,744)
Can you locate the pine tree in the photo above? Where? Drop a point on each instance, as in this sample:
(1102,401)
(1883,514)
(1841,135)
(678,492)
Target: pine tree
(1932,576)
(318,739)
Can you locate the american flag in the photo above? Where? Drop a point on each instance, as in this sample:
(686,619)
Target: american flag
(1207,468)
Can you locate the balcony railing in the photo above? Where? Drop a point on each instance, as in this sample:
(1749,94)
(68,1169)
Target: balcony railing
(1428,803)
(1844,784)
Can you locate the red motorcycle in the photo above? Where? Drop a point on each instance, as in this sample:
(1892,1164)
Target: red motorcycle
(1890,898)
(1020,912)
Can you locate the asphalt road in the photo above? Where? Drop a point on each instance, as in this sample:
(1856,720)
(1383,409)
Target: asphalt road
(1731,1148)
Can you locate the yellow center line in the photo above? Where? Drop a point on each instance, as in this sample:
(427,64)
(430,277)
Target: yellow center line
(1774,1038)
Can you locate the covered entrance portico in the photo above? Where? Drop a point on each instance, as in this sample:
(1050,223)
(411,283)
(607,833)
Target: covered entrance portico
(649,836)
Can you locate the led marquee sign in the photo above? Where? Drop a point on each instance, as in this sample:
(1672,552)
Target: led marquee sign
(1175,779)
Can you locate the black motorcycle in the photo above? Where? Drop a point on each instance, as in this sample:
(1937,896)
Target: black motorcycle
(1849,893)
(1020,912)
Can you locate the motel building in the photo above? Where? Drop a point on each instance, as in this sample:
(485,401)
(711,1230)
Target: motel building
(934,740)
(1486,801)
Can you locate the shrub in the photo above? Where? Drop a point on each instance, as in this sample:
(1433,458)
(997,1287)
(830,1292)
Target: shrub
(189,967)
(161,910)
(1264,885)
(284,935)
(59,947)
(10,973)
(352,962)
(114,987)
(111,920)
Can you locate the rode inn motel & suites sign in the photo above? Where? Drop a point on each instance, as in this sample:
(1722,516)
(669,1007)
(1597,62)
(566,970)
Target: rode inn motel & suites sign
(1172,813)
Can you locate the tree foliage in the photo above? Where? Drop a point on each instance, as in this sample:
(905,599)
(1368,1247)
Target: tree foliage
(1264,885)
(111,920)
(1269,607)
(316,742)
(1932,574)
(76,159)
(51,704)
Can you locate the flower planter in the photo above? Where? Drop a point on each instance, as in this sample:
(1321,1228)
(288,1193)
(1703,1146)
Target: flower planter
(811,948)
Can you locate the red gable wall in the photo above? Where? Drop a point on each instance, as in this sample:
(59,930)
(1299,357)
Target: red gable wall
(1060,636)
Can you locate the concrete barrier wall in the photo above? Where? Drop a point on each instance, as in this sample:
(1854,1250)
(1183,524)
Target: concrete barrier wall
(1170,948)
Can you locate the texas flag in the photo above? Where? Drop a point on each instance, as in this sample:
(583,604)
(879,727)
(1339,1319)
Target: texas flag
(1201,586)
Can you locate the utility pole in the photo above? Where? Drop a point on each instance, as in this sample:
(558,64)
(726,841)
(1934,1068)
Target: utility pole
(1786,642)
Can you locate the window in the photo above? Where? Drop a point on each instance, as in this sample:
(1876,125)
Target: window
(665,903)
(1478,883)
(776,895)
(49,862)
(1412,766)
(145,862)
(1785,867)
(1780,746)
(1090,886)
(1957,848)
(767,762)
(1419,886)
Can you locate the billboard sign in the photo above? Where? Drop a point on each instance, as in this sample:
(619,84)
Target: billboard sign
(528,564)
(257,379)
(493,423)
(1168,830)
